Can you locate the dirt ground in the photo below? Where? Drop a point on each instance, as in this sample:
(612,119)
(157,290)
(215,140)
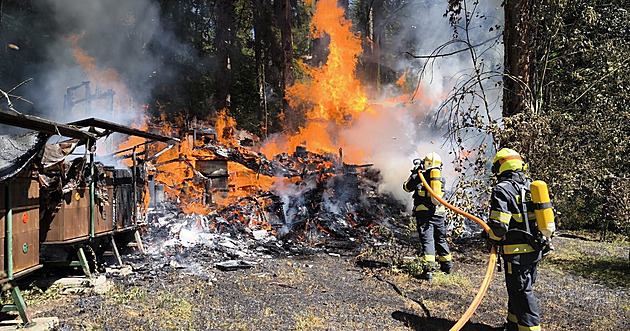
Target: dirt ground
(583,285)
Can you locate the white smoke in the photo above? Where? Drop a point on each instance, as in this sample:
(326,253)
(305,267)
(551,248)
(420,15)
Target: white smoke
(293,200)
(400,132)
(114,37)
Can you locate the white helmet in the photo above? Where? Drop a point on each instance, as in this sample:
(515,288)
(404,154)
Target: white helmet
(432,160)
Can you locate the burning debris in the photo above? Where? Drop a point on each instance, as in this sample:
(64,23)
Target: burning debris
(233,204)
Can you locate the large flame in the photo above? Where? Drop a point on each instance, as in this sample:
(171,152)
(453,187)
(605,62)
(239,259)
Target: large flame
(177,170)
(331,97)
(333,89)
(332,94)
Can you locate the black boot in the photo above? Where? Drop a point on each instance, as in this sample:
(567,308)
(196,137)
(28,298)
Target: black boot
(446,267)
(427,275)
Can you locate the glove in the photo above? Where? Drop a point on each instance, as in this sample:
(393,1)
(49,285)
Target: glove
(414,172)
(489,243)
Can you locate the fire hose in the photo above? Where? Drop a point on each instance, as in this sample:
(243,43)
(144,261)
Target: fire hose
(491,263)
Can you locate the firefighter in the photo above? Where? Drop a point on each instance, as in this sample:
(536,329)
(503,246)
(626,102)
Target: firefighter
(430,214)
(511,225)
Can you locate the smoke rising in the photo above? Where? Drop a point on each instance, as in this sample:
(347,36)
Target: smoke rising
(108,43)
(404,130)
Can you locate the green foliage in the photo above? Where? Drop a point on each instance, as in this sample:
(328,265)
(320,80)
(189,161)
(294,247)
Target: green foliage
(415,267)
(575,136)
(572,132)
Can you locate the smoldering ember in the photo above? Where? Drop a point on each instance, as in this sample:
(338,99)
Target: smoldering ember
(314,165)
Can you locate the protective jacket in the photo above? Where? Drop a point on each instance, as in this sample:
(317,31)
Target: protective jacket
(520,253)
(506,221)
(422,201)
(430,219)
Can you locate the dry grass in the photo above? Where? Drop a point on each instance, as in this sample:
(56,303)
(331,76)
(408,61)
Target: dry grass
(582,284)
(601,261)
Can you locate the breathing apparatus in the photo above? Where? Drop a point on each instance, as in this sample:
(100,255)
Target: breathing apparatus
(542,208)
(433,164)
(537,193)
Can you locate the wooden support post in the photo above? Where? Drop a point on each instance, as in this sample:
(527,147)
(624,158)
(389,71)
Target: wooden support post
(84,263)
(139,242)
(115,250)
(19,306)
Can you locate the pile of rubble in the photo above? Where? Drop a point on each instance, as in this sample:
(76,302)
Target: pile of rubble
(332,212)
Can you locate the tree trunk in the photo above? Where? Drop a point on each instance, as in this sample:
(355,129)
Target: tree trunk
(344,4)
(224,41)
(376,30)
(517,38)
(283,16)
(260,66)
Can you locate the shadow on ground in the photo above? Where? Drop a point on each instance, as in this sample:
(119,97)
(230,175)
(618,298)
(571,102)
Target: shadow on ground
(418,323)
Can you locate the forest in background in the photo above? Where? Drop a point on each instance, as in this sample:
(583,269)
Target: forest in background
(564,79)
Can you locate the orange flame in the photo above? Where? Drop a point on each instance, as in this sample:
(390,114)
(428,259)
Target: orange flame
(88,63)
(332,93)
(225,126)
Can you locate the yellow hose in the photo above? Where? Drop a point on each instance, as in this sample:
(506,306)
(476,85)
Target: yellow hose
(492,261)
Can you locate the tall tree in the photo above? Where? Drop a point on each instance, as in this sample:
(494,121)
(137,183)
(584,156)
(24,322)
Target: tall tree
(517,38)
(376,31)
(284,16)
(257,13)
(224,42)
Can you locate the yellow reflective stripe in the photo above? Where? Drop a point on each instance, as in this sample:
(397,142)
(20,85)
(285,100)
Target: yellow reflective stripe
(517,249)
(512,318)
(429,258)
(441,209)
(517,217)
(445,258)
(501,217)
(531,216)
(527,328)
(421,207)
(509,268)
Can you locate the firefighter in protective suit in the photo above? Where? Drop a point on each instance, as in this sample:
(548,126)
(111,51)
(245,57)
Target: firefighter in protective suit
(430,214)
(513,238)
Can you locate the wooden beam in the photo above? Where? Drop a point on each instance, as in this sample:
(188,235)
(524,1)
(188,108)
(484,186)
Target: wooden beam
(39,124)
(101,124)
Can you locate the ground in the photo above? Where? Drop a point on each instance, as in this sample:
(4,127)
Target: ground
(582,285)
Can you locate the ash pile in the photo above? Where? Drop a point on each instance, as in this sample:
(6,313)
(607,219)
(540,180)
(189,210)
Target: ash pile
(318,204)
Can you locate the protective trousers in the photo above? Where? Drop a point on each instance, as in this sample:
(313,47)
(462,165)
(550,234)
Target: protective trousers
(522,309)
(433,236)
